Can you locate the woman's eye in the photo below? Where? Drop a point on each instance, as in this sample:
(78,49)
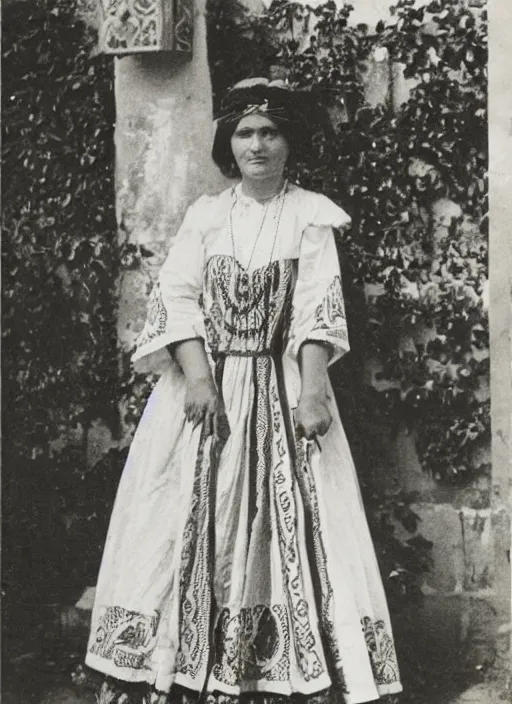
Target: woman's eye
(264,134)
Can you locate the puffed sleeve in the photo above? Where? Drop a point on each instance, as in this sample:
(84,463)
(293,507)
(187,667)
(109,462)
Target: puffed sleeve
(174,311)
(318,311)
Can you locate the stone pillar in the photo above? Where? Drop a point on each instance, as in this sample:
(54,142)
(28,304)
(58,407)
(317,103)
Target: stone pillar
(163,141)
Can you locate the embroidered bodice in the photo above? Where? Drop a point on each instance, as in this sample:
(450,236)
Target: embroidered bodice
(246,312)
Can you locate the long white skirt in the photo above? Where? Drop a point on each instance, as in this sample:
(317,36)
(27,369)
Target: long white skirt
(246,568)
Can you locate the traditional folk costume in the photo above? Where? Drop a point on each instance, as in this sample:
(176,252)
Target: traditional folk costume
(242,565)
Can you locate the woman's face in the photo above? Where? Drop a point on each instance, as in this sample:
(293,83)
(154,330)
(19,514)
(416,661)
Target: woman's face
(259,148)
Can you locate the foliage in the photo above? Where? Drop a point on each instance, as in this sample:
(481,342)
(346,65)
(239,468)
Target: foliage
(402,560)
(236,42)
(59,274)
(433,150)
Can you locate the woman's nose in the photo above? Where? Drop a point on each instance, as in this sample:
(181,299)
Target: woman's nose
(255,142)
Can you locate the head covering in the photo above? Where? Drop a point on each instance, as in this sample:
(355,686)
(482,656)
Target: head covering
(273,99)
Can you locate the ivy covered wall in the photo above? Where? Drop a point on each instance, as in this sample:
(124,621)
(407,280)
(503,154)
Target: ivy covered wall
(410,167)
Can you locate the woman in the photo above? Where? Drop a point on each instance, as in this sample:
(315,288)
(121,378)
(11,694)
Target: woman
(238,560)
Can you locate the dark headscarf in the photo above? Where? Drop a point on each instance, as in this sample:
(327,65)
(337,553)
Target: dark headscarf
(274,99)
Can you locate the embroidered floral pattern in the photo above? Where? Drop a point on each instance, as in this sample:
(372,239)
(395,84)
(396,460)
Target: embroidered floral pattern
(243,309)
(330,313)
(117,692)
(180,695)
(253,644)
(306,645)
(195,573)
(156,321)
(381,651)
(325,697)
(320,574)
(126,637)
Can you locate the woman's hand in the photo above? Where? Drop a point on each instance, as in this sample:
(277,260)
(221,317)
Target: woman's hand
(312,416)
(202,404)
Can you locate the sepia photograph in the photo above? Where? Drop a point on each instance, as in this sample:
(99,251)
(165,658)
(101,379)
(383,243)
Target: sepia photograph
(256,352)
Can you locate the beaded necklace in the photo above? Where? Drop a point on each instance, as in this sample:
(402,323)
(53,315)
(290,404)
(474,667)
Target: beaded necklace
(244,273)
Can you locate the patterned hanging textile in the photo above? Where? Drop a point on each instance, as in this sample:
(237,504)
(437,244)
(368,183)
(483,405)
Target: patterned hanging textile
(140,26)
